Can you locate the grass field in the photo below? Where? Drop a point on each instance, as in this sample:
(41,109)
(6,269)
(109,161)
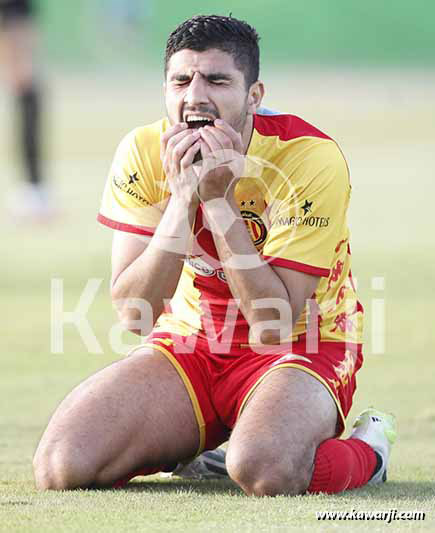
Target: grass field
(386,126)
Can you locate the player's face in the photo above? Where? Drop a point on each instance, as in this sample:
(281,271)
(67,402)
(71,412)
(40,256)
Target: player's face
(205,84)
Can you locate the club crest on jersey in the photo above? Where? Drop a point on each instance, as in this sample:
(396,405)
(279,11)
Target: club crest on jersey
(256,227)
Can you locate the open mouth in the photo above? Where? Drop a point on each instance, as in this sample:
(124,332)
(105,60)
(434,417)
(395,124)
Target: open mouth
(197,121)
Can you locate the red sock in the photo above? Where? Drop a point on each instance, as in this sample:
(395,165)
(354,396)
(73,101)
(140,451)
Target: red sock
(342,464)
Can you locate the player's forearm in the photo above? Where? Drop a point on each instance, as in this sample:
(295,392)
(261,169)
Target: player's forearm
(249,277)
(153,277)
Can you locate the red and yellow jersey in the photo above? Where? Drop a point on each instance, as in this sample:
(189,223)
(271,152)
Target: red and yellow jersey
(293,197)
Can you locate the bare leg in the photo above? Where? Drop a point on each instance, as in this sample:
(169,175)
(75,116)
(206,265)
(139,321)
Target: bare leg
(272,447)
(131,414)
(18,41)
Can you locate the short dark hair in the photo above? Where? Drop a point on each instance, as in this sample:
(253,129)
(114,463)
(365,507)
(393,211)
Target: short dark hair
(236,37)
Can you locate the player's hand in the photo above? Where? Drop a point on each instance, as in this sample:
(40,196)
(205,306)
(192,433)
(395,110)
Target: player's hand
(223,160)
(178,147)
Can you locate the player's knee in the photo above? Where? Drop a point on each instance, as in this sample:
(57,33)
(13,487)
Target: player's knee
(60,468)
(268,476)
(276,480)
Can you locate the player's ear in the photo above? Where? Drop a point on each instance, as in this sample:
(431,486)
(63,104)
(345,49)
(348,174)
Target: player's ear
(164,88)
(255,96)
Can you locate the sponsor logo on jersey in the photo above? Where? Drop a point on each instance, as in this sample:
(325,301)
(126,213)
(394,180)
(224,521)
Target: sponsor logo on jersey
(200,267)
(317,222)
(125,187)
(221,275)
(307,207)
(304,220)
(256,226)
(132,178)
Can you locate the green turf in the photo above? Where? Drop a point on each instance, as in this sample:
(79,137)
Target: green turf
(392,230)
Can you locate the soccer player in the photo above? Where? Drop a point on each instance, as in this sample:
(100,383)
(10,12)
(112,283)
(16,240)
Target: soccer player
(17,44)
(237,215)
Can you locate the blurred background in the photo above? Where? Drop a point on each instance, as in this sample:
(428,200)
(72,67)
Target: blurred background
(363,72)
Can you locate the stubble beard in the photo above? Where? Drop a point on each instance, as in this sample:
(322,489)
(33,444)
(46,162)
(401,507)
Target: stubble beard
(238,125)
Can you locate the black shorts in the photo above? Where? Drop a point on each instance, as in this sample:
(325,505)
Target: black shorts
(11,10)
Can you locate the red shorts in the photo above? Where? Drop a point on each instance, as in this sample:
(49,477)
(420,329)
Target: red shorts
(219,384)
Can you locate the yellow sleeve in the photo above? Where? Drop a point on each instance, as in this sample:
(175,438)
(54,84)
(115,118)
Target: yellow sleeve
(308,218)
(134,195)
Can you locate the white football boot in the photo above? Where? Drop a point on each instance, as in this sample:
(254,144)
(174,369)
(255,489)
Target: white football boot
(208,465)
(378,430)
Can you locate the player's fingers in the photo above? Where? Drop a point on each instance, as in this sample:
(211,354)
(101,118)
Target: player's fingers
(205,149)
(188,157)
(168,156)
(169,134)
(173,130)
(221,137)
(236,138)
(209,162)
(184,143)
(180,149)
(210,140)
(175,139)
(226,153)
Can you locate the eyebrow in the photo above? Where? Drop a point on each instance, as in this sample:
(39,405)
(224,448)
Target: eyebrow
(215,76)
